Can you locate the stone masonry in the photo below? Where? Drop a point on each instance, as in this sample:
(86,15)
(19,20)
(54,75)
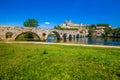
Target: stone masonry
(40,32)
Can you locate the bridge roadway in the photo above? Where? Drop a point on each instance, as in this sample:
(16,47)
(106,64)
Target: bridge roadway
(41,33)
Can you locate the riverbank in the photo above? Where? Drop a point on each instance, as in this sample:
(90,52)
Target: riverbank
(106,46)
(35,61)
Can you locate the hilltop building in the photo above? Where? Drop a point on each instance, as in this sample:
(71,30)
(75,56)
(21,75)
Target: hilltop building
(98,32)
(69,24)
(82,28)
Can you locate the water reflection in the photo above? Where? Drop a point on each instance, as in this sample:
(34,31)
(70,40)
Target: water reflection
(86,40)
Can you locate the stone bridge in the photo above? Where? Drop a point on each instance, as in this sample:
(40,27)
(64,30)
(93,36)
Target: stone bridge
(41,33)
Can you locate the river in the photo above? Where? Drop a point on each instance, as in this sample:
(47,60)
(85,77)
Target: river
(87,40)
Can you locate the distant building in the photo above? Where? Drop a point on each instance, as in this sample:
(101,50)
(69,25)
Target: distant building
(100,27)
(98,32)
(82,28)
(69,24)
(84,31)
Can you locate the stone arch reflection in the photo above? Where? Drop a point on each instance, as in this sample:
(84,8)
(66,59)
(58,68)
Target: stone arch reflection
(70,37)
(77,36)
(65,37)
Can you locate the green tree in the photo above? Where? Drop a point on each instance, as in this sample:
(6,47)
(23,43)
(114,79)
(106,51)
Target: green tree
(28,35)
(91,29)
(108,32)
(57,27)
(31,23)
(116,32)
(93,26)
(105,25)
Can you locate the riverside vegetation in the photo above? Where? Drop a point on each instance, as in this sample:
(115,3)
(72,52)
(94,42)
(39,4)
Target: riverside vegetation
(58,62)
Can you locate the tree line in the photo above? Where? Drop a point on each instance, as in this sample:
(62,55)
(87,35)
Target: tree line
(108,31)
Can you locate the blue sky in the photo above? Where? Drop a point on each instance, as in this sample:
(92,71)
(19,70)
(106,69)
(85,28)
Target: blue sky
(54,12)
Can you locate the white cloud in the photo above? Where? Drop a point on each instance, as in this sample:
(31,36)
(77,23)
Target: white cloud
(47,22)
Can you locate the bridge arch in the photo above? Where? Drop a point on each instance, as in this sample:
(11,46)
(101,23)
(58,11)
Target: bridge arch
(56,33)
(70,35)
(64,35)
(77,36)
(27,32)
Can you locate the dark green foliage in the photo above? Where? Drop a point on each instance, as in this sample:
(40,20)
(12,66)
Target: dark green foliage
(109,32)
(29,56)
(57,27)
(93,26)
(31,23)
(45,52)
(116,32)
(9,34)
(90,31)
(105,25)
(28,35)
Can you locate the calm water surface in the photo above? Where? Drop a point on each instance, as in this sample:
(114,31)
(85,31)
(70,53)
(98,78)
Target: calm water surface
(96,41)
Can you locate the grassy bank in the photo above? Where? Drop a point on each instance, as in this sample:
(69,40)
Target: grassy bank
(58,62)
